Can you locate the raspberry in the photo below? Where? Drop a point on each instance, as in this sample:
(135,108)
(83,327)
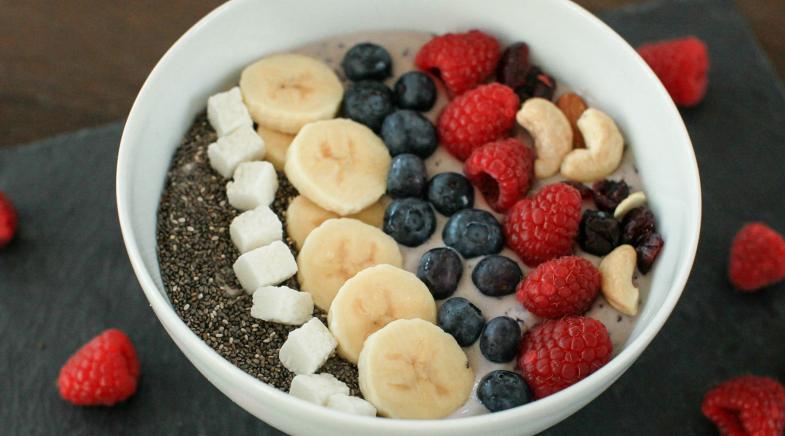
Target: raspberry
(104,371)
(544,226)
(564,286)
(8,221)
(757,258)
(480,116)
(558,353)
(682,66)
(462,60)
(747,405)
(502,170)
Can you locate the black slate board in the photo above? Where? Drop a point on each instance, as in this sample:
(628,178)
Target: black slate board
(67,276)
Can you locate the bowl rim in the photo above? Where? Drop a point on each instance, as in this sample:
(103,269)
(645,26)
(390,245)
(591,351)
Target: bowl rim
(187,339)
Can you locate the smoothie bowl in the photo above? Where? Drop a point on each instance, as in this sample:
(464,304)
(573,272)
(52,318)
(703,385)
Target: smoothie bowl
(352,224)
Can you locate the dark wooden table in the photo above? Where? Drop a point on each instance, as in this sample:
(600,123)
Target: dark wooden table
(79,63)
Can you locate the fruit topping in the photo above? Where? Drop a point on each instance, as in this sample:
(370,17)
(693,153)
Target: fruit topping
(473,232)
(307,348)
(564,286)
(586,192)
(537,84)
(501,390)
(609,193)
(254,185)
(500,339)
(368,103)
(407,131)
(558,353)
(317,388)
(410,221)
(462,319)
(255,228)
(682,66)
(461,60)
(407,177)
(473,119)
(367,61)
(513,65)
(502,170)
(496,276)
(227,112)
(440,269)
(599,232)
(757,258)
(415,90)
(265,266)
(282,304)
(544,226)
(450,192)
(647,250)
(637,225)
(105,371)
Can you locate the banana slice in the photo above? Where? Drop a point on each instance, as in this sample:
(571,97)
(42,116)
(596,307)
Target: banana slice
(412,369)
(284,92)
(303,216)
(373,298)
(338,164)
(337,250)
(276,145)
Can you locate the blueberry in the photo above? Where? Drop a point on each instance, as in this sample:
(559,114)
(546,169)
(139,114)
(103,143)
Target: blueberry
(473,232)
(441,270)
(500,339)
(407,177)
(368,103)
(501,390)
(410,221)
(450,192)
(496,276)
(415,90)
(461,319)
(599,232)
(406,131)
(367,61)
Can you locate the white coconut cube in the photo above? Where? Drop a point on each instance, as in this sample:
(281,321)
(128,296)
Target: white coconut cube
(242,145)
(317,388)
(227,112)
(282,304)
(265,266)
(254,185)
(350,404)
(307,348)
(255,228)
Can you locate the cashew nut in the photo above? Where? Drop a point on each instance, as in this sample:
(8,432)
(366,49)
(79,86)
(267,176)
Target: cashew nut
(551,132)
(617,269)
(633,201)
(603,152)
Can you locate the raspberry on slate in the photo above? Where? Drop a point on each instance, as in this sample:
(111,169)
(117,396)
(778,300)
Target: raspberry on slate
(757,258)
(8,220)
(461,60)
(558,353)
(544,226)
(480,116)
(502,170)
(682,66)
(105,371)
(564,286)
(747,405)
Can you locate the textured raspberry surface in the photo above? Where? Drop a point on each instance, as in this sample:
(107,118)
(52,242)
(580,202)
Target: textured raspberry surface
(747,405)
(682,66)
(558,353)
(476,118)
(564,286)
(502,170)
(544,226)
(462,60)
(757,258)
(103,372)
(8,220)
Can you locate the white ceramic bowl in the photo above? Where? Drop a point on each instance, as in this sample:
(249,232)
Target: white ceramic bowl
(568,41)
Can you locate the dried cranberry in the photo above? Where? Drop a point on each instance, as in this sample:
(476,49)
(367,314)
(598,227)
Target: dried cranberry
(513,66)
(586,192)
(648,249)
(537,84)
(599,232)
(609,193)
(637,226)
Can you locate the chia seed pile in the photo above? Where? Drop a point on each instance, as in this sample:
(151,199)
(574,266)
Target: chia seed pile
(196,255)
